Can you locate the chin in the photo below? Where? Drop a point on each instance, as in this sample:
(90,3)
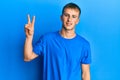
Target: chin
(68,28)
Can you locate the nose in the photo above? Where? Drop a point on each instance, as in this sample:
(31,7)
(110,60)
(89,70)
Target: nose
(69,18)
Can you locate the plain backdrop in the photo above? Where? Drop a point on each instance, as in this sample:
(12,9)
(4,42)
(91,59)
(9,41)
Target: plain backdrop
(99,24)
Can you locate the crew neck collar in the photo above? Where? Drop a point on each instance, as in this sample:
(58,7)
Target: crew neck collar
(67,38)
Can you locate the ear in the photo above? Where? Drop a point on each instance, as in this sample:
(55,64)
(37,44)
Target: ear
(61,18)
(78,20)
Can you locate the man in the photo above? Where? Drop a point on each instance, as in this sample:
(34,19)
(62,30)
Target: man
(66,55)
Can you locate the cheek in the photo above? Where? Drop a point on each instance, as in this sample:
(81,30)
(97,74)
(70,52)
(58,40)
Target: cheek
(65,20)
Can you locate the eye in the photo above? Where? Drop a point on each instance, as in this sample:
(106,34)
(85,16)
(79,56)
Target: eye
(74,16)
(66,15)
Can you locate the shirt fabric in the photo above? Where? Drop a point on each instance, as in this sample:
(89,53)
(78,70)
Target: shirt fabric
(62,58)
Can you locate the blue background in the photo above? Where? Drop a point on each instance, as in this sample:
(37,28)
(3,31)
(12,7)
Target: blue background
(99,24)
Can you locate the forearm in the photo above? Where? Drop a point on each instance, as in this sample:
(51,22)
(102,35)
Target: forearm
(86,75)
(27,49)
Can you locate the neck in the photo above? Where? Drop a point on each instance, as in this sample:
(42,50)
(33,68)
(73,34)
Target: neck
(68,34)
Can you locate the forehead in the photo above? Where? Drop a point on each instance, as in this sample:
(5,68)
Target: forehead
(71,11)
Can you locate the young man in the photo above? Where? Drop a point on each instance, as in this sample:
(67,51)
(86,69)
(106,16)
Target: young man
(66,55)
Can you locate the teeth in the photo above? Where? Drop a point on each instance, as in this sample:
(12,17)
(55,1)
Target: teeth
(69,24)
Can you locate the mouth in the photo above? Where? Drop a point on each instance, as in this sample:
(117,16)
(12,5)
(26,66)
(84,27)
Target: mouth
(69,24)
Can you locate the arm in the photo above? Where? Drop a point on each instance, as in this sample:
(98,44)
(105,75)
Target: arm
(28,49)
(85,72)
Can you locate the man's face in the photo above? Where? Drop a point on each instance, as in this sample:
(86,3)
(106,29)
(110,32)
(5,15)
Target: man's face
(70,18)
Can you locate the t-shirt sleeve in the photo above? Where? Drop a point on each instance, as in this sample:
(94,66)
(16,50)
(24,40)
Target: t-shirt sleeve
(86,54)
(38,46)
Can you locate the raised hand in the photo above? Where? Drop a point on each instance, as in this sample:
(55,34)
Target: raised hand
(29,27)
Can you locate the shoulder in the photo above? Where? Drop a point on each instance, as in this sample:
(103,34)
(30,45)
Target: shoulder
(82,40)
(49,35)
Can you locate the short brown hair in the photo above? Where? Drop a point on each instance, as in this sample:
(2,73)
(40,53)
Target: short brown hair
(72,6)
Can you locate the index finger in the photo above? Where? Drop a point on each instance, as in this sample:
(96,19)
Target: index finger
(28,18)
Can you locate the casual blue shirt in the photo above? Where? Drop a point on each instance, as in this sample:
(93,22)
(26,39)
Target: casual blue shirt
(62,57)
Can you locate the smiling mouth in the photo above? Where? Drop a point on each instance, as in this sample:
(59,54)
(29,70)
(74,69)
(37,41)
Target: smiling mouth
(69,24)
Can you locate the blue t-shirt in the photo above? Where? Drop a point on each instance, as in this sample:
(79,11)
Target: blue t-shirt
(62,57)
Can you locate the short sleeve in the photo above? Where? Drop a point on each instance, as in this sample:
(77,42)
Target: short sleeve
(38,46)
(86,54)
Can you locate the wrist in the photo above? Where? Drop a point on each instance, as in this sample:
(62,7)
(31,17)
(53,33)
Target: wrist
(29,38)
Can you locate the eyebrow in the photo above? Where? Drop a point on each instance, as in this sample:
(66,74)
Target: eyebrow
(69,14)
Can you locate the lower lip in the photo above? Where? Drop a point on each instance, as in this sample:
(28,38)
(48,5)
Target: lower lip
(69,24)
